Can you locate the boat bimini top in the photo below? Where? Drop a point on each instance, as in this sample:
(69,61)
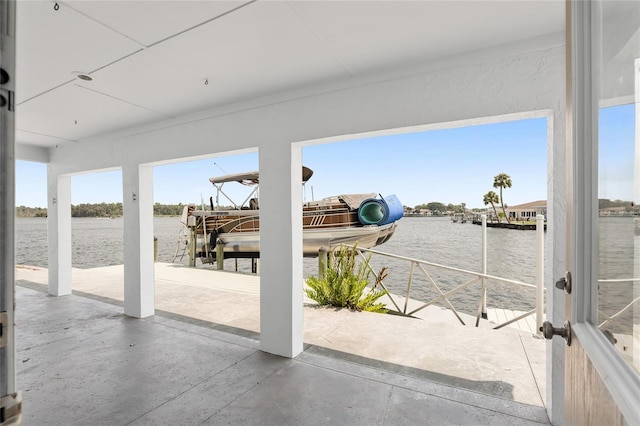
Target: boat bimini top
(248,179)
(253,178)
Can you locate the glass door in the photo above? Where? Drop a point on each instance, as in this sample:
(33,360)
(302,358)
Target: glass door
(618,148)
(603,361)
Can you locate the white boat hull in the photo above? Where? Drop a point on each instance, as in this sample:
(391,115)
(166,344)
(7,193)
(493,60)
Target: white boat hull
(247,244)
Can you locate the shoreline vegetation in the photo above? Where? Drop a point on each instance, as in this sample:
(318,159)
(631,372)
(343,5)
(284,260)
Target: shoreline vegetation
(111,210)
(108,210)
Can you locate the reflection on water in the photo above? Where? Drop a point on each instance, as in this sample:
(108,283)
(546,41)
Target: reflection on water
(617,241)
(618,315)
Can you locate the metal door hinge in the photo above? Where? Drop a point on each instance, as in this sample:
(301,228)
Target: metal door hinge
(564,283)
(548,331)
(11,409)
(4,327)
(7,98)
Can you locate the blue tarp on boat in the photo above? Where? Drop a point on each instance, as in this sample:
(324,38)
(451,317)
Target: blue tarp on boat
(380,211)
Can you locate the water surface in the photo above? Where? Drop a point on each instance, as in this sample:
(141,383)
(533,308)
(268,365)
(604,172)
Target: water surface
(511,254)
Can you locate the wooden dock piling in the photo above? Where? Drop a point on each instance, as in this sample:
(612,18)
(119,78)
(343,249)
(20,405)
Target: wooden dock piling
(219,255)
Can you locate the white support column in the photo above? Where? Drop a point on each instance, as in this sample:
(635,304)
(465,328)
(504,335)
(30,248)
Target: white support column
(59,232)
(281,327)
(139,276)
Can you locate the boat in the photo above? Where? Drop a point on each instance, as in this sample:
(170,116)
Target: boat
(367,220)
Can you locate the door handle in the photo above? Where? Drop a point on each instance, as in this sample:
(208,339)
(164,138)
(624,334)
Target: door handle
(564,283)
(548,331)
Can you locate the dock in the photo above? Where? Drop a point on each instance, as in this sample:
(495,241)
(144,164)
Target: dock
(522,226)
(507,363)
(500,316)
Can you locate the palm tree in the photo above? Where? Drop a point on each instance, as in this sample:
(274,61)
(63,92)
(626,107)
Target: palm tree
(502,181)
(491,198)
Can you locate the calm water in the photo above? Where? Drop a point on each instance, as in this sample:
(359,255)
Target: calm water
(511,254)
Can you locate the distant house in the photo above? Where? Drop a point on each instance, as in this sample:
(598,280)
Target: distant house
(411,212)
(527,211)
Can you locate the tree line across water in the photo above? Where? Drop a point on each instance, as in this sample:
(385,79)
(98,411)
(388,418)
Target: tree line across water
(100,210)
(115,209)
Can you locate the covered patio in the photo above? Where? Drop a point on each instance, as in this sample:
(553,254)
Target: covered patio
(130,85)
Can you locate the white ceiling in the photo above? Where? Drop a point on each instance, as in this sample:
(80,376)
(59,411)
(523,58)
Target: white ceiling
(159,60)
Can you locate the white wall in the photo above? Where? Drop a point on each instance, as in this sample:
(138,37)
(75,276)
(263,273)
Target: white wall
(32,153)
(490,83)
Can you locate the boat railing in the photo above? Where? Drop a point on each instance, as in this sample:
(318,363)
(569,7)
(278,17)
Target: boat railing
(401,302)
(248,220)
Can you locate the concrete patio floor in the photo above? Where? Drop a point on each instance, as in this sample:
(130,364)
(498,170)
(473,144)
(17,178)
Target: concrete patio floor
(197,361)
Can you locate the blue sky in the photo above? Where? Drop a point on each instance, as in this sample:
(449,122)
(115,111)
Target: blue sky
(616,152)
(449,166)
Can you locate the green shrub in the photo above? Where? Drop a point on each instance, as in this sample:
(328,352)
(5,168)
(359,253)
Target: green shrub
(343,287)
